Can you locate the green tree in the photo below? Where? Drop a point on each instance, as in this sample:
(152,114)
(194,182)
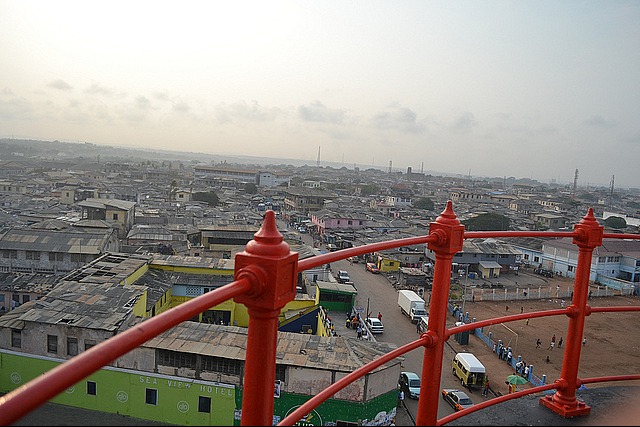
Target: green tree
(207,196)
(615,222)
(250,188)
(369,189)
(487,222)
(424,203)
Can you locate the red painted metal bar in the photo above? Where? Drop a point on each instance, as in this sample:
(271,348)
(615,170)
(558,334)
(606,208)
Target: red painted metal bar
(526,392)
(24,399)
(506,319)
(272,267)
(312,403)
(449,233)
(487,234)
(495,401)
(316,261)
(564,401)
(621,236)
(614,309)
(610,378)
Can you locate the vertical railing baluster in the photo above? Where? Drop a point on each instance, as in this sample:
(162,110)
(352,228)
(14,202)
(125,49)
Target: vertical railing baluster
(450,238)
(269,264)
(564,401)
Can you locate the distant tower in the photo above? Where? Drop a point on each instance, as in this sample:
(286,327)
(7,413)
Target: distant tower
(390,164)
(422,168)
(575,182)
(611,191)
(318,159)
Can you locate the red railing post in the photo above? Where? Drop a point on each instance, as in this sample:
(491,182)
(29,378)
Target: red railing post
(450,238)
(564,401)
(269,264)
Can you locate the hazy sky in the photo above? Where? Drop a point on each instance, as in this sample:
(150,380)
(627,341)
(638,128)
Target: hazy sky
(533,89)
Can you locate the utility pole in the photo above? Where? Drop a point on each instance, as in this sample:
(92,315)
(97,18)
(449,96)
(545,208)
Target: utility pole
(464,293)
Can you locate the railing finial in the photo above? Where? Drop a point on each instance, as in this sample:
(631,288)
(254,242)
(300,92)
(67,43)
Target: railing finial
(268,240)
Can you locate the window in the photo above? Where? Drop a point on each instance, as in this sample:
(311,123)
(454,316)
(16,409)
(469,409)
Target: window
(92,388)
(25,298)
(176,359)
(115,217)
(52,344)
(88,344)
(151,396)
(16,338)
(224,366)
(204,404)
(72,346)
(1,298)
(76,257)
(280,372)
(56,256)
(34,255)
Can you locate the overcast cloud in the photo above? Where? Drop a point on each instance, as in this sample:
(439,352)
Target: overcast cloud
(488,88)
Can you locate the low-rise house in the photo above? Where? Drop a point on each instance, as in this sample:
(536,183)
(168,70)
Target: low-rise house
(34,250)
(121,212)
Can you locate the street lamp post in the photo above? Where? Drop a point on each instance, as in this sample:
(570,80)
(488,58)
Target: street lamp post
(464,292)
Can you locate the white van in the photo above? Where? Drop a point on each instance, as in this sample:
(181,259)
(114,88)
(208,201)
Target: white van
(468,368)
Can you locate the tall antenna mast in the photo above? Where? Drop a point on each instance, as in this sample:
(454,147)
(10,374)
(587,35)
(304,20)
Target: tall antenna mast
(390,164)
(611,191)
(575,182)
(318,159)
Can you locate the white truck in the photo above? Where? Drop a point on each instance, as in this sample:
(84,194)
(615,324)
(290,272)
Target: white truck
(411,305)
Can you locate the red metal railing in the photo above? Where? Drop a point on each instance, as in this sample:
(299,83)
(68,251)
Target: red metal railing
(265,280)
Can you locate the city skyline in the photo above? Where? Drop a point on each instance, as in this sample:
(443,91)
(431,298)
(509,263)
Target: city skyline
(529,90)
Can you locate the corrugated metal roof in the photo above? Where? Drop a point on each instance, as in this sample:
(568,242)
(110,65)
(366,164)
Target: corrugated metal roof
(107,203)
(67,241)
(336,353)
(193,261)
(102,306)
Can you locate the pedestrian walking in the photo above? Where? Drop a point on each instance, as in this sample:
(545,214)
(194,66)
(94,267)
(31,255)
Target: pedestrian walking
(509,356)
(560,342)
(526,372)
(359,331)
(401,396)
(485,389)
(380,316)
(538,343)
(551,345)
(584,341)
(418,327)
